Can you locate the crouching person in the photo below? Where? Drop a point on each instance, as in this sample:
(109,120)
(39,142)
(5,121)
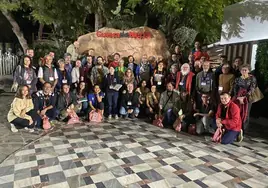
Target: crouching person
(204,115)
(130,102)
(95,100)
(152,102)
(22,113)
(45,104)
(66,103)
(167,104)
(228,118)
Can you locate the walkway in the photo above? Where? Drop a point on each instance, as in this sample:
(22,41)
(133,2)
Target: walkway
(132,153)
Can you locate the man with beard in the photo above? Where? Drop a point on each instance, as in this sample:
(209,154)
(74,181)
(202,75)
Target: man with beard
(86,71)
(144,70)
(167,103)
(184,79)
(205,81)
(98,72)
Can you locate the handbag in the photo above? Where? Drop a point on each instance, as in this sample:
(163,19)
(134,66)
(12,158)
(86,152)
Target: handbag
(192,129)
(158,122)
(46,123)
(256,95)
(73,118)
(217,135)
(177,125)
(95,116)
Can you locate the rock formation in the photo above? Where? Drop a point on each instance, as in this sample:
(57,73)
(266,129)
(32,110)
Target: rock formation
(136,42)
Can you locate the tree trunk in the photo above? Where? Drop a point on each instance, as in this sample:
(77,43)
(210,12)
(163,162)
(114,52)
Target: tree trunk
(40,31)
(16,30)
(98,21)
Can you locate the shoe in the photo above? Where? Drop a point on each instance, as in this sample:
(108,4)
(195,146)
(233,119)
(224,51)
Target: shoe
(109,117)
(31,130)
(26,128)
(240,136)
(13,128)
(116,117)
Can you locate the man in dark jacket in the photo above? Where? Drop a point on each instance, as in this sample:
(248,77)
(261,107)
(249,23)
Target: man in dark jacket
(129,102)
(44,103)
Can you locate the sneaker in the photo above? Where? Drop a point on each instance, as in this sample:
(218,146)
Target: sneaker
(13,128)
(110,117)
(240,136)
(116,117)
(31,130)
(26,128)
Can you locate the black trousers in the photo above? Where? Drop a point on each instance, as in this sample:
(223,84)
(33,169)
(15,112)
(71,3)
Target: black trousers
(20,123)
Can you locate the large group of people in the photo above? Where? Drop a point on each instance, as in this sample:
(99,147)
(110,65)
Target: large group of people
(185,89)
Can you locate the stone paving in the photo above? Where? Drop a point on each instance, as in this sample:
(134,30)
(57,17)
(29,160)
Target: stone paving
(127,153)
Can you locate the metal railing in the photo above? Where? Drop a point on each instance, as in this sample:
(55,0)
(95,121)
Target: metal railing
(8,62)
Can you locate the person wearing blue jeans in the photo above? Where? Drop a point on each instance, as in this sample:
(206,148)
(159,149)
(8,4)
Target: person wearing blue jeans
(228,118)
(110,81)
(167,103)
(129,102)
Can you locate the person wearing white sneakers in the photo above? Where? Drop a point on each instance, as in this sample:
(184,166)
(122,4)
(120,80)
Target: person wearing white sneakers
(22,114)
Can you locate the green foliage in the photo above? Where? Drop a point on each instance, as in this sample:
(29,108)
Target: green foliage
(262,63)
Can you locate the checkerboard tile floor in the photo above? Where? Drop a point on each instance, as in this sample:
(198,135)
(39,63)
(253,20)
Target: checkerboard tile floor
(132,153)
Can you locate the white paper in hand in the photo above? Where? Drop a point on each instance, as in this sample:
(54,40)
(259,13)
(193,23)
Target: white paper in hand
(180,112)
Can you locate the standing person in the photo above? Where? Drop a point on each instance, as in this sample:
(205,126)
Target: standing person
(64,77)
(132,65)
(144,70)
(159,77)
(226,79)
(86,71)
(185,79)
(112,95)
(66,103)
(205,82)
(22,113)
(244,86)
(198,53)
(130,102)
(47,73)
(129,79)
(167,102)
(228,118)
(238,61)
(152,103)
(172,75)
(45,104)
(76,74)
(173,61)
(120,69)
(98,72)
(95,100)
(30,53)
(68,62)
(25,75)
(178,53)
(115,63)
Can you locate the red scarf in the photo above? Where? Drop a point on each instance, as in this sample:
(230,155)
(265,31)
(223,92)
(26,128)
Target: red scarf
(188,81)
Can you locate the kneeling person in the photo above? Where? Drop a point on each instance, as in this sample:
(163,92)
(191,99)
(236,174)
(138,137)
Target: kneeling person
(130,102)
(228,117)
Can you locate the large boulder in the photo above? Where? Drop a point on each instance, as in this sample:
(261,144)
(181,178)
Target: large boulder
(136,42)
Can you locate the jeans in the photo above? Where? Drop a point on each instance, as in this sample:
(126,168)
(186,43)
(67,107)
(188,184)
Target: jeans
(21,123)
(112,99)
(229,136)
(124,112)
(169,118)
(84,106)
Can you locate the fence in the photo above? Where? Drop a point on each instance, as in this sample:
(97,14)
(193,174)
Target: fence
(8,63)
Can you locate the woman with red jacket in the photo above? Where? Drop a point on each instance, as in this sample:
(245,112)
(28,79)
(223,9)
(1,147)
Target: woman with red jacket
(228,118)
